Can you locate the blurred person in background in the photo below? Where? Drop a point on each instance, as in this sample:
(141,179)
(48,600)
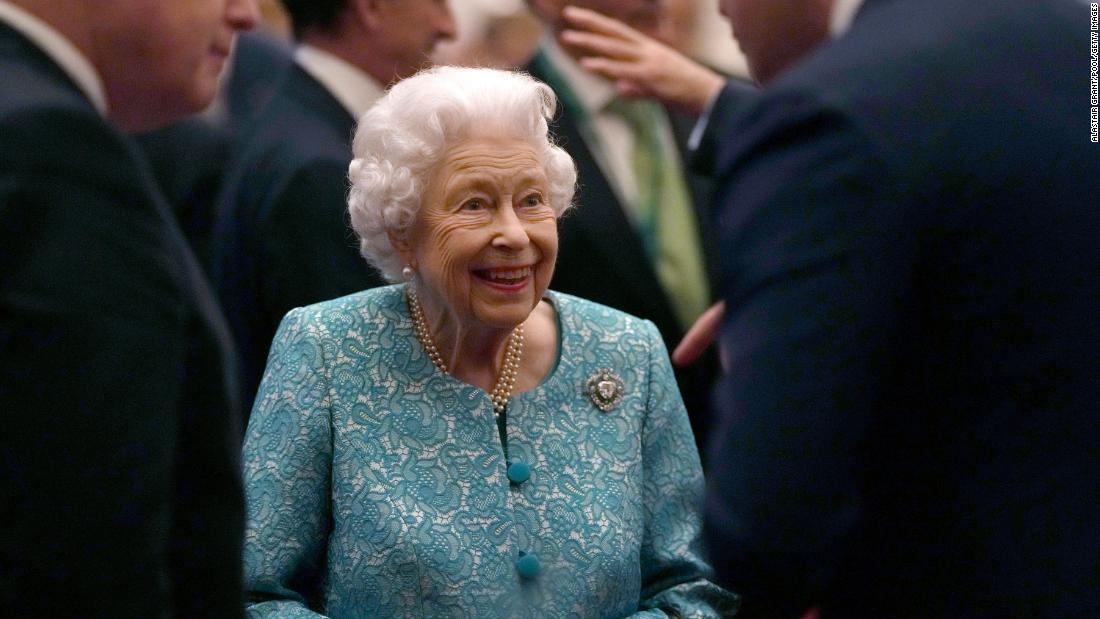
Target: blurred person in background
(637,242)
(907,427)
(189,157)
(467,442)
(282,238)
(119,463)
(500,34)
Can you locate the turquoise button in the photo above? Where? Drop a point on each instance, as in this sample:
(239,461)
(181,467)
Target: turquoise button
(528,565)
(519,472)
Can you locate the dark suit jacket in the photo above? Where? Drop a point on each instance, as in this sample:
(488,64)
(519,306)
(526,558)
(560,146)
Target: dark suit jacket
(283,239)
(909,236)
(188,159)
(260,60)
(735,96)
(119,464)
(601,257)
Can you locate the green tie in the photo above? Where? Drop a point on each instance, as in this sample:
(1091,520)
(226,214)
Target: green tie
(665,217)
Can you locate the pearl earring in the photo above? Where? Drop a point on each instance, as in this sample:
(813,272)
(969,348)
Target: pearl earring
(407,273)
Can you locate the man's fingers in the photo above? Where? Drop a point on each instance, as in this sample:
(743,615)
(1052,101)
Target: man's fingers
(585,19)
(630,89)
(699,336)
(615,70)
(598,44)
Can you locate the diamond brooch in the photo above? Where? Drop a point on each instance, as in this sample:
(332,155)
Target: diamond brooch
(605,389)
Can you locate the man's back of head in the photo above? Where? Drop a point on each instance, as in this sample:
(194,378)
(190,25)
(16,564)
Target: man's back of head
(775,34)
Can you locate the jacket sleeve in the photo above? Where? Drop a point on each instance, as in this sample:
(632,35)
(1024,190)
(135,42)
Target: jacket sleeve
(287,463)
(674,573)
(815,279)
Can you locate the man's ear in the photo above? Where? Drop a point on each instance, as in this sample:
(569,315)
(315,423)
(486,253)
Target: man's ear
(368,13)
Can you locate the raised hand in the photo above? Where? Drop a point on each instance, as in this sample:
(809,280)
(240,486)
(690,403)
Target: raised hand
(639,65)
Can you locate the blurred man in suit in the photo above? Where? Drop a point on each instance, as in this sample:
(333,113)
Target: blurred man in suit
(908,427)
(636,241)
(282,237)
(189,157)
(119,466)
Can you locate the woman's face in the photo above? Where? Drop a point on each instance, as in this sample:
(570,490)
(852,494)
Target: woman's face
(485,239)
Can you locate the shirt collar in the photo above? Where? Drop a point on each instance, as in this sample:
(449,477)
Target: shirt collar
(60,50)
(844,11)
(591,91)
(350,85)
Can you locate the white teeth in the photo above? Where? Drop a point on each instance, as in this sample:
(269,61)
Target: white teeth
(510,275)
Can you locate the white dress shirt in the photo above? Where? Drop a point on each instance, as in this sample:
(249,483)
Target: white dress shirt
(350,85)
(60,50)
(844,11)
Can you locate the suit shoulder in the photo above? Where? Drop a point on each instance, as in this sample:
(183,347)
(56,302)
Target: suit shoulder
(284,143)
(58,135)
(302,121)
(36,89)
(38,100)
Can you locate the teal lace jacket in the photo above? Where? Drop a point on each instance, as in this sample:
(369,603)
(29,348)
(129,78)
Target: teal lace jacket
(380,487)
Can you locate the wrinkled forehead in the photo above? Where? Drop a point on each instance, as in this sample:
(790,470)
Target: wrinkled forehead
(499,162)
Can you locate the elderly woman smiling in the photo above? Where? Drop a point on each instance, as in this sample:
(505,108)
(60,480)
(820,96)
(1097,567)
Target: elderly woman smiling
(468,443)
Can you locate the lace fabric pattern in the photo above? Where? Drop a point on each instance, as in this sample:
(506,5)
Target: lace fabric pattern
(378,486)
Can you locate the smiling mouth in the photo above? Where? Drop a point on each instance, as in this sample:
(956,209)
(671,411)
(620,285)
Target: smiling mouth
(509,277)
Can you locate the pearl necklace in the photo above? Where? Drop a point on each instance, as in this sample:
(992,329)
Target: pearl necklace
(506,380)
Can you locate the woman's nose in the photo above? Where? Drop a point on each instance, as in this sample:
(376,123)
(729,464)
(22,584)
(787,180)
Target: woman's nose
(510,231)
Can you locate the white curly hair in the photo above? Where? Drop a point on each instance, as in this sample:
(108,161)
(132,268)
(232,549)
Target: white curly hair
(403,137)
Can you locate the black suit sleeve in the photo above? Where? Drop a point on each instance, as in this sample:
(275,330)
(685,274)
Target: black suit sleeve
(93,342)
(815,256)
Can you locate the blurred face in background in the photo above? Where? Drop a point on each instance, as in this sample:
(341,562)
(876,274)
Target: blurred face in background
(677,22)
(775,34)
(408,31)
(162,59)
(643,15)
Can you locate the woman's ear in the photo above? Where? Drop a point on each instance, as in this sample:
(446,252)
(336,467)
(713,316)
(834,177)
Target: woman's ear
(403,246)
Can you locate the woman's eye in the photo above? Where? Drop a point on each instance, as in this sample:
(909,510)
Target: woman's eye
(532,200)
(473,205)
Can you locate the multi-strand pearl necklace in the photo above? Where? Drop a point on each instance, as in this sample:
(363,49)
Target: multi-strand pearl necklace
(513,353)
